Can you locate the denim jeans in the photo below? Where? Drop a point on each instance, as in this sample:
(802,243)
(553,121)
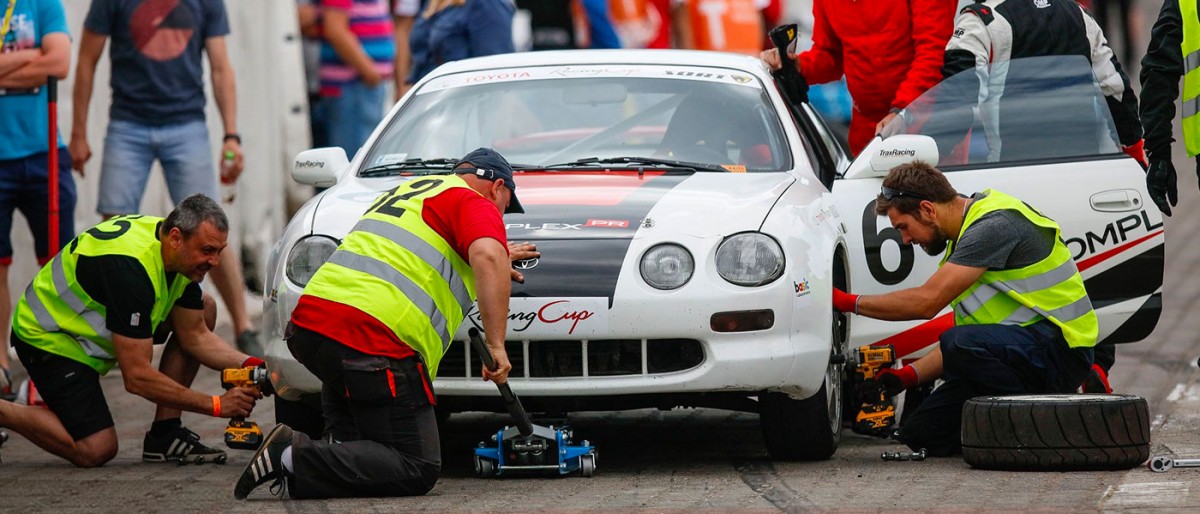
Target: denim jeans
(350,118)
(980,360)
(130,149)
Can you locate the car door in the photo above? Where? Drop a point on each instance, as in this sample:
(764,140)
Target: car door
(1075,174)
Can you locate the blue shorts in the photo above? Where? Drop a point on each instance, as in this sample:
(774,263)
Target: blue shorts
(130,149)
(23,186)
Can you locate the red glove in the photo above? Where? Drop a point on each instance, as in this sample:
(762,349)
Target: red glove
(895,381)
(252,362)
(845,302)
(1138,152)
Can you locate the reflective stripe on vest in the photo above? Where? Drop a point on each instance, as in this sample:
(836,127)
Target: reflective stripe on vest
(1048,289)
(1190,99)
(397,269)
(56,315)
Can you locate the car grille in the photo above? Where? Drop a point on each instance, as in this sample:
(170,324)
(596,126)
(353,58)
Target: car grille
(590,358)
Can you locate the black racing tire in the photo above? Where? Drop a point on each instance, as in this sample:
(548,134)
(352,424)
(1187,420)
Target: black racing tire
(303,415)
(1056,432)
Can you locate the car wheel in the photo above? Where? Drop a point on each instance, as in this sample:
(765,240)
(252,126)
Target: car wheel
(808,429)
(303,415)
(1056,432)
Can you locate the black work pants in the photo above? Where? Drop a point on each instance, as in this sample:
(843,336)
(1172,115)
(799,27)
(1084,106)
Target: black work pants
(980,360)
(379,412)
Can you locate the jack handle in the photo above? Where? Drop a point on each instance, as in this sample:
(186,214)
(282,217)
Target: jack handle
(515,409)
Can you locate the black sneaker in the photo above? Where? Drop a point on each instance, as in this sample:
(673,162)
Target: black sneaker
(178,444)
(266,465)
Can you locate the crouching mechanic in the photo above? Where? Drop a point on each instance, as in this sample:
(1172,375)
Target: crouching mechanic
(98,304)
(373,323)
(1023,321)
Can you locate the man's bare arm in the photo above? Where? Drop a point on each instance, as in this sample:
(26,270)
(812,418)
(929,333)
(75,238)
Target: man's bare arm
(54,61)
(922,302)
(142,379)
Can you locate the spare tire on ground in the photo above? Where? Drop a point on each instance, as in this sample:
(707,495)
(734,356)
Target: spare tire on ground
(1056,432)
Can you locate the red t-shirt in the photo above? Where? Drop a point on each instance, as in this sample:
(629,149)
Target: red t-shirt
(461,216)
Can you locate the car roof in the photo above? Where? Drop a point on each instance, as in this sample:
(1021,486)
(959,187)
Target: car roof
(744,63)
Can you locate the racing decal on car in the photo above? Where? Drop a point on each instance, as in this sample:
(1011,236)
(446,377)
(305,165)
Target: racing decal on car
(582,223)
(552,317)
(1135,277)
(587,72)
(607,223)
(802,287)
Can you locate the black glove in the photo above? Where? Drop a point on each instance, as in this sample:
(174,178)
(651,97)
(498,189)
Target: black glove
(1161,182)
(890,384)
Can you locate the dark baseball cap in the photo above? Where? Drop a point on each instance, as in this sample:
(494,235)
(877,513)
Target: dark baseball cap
(490,165)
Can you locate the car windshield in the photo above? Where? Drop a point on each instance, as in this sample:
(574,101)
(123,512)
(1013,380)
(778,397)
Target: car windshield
(572,118)
(1039,109)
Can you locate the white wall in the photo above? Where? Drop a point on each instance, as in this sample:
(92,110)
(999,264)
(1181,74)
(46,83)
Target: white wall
(272,120)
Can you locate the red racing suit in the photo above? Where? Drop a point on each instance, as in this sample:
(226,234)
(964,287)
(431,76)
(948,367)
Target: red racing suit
(890,52)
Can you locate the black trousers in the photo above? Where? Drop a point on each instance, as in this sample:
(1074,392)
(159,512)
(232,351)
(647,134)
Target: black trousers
(379,412)
(980,360)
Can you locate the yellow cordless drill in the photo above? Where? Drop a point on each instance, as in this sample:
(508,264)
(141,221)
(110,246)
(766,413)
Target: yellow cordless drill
(242,434)
(877,413)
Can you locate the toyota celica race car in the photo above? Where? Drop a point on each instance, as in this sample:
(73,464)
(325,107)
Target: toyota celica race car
(693,223)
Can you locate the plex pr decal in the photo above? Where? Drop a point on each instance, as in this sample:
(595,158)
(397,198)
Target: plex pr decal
(522,320)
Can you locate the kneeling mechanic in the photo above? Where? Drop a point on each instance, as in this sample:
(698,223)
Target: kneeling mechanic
(1023,320)
(109,296)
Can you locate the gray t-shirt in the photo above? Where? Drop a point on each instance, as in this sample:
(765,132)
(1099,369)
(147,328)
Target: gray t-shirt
(1001,240)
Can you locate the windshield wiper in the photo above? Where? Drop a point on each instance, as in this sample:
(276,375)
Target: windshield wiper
(652,161)
(436,165)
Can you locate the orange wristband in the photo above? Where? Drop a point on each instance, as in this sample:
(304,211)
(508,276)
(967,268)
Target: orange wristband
(216,406)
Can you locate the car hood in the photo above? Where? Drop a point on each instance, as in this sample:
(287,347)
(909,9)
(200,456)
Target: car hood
(615,205)
(584,223)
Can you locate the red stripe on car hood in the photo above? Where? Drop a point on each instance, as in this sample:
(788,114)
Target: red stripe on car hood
(927,333)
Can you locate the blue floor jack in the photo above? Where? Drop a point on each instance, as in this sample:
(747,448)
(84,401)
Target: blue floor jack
(528,449)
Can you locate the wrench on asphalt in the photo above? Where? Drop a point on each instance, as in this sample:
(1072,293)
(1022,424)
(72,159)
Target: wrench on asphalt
(1161,464)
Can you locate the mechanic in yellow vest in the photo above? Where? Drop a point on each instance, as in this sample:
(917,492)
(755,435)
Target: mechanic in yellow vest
(373,323)
(1023,321)
(104,300)
(1174,52)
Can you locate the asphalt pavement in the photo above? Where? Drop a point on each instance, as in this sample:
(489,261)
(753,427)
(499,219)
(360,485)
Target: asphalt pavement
(691,460)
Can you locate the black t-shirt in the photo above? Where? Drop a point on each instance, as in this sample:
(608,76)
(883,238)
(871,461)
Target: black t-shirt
(120,283)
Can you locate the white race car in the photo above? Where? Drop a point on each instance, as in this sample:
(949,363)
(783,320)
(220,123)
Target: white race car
(692,224)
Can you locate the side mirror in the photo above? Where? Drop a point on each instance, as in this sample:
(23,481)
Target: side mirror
(319,166)
(881,155)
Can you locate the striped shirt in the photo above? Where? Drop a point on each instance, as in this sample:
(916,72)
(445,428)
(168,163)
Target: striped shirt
(371,24)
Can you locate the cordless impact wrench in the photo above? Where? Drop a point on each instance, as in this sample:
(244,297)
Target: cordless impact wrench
(242,434)
(877,414)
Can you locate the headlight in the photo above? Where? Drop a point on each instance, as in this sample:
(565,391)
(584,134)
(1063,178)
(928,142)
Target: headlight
(750,259)
(306,256)
(667,266)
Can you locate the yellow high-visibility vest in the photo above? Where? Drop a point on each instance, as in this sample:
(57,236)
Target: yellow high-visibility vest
(397,269)
(1190,99)
(56,315)
(1048,289)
